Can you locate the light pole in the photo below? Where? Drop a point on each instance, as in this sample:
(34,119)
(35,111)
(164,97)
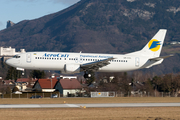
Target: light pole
(21,80)
(51,84)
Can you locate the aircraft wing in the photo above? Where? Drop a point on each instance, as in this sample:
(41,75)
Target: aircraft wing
(161,57)
(96,65)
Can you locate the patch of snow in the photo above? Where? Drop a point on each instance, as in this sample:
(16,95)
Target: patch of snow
(173,9)
(150,4)
(131,0)
(143,14)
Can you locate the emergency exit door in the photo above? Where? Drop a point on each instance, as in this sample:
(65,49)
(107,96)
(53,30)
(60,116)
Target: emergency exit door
(137,62)
(28,58)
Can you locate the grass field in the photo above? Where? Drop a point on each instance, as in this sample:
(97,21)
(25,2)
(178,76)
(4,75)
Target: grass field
(91,100)
(154,113)
(148,113)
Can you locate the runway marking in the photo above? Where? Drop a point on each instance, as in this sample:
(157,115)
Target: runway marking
(72,105)
(112,105)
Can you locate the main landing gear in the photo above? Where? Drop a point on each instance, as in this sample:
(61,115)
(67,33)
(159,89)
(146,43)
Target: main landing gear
(86,75)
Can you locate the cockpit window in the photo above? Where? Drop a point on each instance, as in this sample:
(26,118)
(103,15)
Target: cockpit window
(16,56)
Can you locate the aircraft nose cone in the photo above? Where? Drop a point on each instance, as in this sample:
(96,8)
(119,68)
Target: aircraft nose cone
(8,62)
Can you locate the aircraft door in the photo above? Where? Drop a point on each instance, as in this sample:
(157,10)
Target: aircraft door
(28,58)
(137,62)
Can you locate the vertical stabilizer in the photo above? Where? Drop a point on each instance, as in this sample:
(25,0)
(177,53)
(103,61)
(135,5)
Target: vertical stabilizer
(153,47)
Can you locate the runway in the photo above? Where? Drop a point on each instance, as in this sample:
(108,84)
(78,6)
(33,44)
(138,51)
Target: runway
(113,105)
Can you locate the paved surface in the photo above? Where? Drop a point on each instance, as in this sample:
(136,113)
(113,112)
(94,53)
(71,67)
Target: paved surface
(89,105)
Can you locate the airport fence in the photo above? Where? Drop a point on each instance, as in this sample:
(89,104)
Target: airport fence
(32,95)
(92,94)
(147,94)
(102,94)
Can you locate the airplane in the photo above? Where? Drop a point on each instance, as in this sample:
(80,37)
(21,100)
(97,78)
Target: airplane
(70,63)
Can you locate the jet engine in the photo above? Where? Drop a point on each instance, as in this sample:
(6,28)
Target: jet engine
(72,68)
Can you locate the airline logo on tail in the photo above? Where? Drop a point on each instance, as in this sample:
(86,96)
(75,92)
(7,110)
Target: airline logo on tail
(154,45)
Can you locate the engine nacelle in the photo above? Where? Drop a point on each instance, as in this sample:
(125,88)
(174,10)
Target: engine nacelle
(72,68)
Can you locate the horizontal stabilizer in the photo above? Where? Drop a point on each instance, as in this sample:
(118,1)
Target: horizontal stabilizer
(162,57)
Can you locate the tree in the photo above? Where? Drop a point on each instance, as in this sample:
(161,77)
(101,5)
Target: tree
(13,74)
(148,85)
(176,83)
(15,89)
(157,81)
(8,90)
(124,84)
(37,74)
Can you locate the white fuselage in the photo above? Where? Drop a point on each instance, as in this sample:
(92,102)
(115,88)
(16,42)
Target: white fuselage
(68,62)
(58,60)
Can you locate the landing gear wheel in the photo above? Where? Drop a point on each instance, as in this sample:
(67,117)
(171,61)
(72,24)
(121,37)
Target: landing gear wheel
(86,75)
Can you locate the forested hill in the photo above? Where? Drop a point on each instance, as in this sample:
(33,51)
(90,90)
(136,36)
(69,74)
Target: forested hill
(104,26)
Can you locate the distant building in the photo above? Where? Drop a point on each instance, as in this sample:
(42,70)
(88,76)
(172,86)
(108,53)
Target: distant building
(68,77)
(45,85)
(9,24)
(4,84)
(64,86)
(30,82)
(68,86)
(8,82)
(175,43)
(22,86)
(7,53)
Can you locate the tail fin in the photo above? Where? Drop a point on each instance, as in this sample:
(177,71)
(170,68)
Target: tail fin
(154,46)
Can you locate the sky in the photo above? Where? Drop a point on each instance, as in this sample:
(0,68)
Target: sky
(18,10)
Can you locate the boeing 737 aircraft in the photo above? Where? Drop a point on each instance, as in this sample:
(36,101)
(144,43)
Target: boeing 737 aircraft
(70,63)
